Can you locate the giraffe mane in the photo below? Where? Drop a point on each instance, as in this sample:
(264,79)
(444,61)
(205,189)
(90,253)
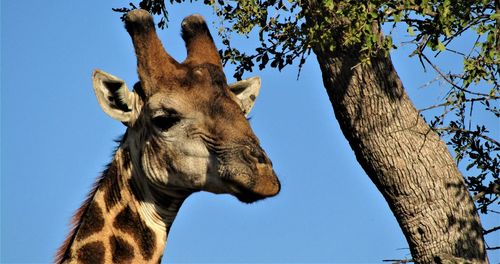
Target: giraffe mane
(76,220)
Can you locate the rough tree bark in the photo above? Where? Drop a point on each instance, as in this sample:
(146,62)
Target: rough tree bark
(408,162)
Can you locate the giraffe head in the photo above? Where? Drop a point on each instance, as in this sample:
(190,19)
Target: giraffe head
(187,128)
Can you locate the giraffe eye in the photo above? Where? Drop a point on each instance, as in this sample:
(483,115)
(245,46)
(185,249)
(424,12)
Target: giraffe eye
(165,122)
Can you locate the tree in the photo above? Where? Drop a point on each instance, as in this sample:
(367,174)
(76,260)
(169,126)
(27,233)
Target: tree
(401,153)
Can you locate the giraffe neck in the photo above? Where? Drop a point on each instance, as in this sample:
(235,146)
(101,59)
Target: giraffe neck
(123,220)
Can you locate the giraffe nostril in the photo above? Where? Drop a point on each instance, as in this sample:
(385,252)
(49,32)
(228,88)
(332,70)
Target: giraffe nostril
(259,154)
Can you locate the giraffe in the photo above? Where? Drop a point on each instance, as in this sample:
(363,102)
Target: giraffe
(186,132)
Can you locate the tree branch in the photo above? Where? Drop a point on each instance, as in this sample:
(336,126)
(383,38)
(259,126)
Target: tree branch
(475,133)
(467,100)
(445,77)
(485,205)
(485,232)
(492,189)
(416,8)
(397,261)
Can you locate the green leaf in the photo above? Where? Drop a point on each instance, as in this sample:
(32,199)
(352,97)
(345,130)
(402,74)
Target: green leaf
(410,31)
(440,46)
(495,16)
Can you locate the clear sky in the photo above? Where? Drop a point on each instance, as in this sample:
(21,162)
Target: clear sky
(55,140)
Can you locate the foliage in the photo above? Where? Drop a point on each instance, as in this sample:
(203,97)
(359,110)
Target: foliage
(285,38)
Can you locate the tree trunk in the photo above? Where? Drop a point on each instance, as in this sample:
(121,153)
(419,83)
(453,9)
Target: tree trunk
(408,162)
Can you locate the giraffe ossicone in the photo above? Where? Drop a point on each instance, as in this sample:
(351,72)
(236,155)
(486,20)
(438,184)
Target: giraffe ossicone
(186,132)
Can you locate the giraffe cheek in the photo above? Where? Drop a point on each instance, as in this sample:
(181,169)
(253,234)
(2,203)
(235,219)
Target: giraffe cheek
(188,168)
(153,167)
(190,172)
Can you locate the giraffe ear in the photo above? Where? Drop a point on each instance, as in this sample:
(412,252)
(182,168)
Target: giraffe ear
(115,98)
(246,91)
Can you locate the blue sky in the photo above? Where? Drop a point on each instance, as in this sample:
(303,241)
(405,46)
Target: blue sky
(55,140)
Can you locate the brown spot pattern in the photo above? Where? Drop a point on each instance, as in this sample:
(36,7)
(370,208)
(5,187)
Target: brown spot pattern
(126,161)
(92,223)
(130,222)
(136,191)
(91,253)
(111,186)
(121,250)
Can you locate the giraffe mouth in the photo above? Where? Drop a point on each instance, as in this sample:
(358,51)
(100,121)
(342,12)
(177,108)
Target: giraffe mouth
(247,196)
(248,175)
(248,189)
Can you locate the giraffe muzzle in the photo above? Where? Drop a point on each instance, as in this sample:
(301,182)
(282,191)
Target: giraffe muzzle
(253,176)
